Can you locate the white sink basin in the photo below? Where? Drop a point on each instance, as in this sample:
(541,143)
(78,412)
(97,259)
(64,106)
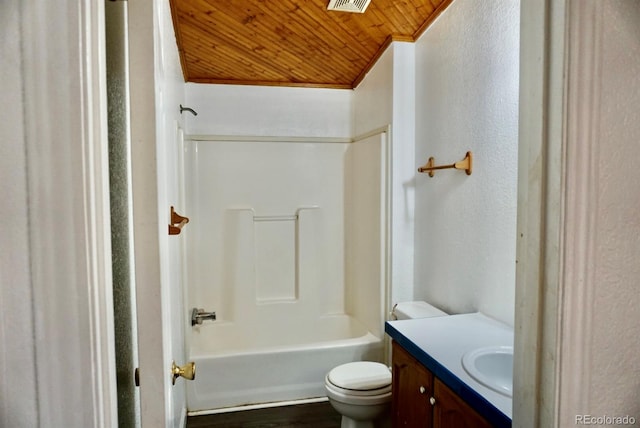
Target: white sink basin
(492,367)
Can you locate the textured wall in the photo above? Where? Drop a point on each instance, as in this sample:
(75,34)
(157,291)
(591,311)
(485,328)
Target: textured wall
(268,111)
(615,363)
(373,98)
(119,194)
(599,366)
(467,99)
(16,300)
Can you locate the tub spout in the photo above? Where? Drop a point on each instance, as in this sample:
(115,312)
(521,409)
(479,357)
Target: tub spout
(199,315)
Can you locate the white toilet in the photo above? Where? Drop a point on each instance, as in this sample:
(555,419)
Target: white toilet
(361,391)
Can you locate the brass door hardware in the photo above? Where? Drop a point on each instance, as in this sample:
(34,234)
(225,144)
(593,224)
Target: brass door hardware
(177,222)
(188,371)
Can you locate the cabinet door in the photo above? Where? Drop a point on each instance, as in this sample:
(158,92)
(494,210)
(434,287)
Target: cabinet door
(451,411)
(412,388)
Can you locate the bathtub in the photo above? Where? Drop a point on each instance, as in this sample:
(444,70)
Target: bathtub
(233,372)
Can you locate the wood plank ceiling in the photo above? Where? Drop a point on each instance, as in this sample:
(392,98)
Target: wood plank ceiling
(291,42)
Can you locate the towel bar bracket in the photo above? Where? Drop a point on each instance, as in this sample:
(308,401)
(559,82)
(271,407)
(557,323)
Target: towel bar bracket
(465,164)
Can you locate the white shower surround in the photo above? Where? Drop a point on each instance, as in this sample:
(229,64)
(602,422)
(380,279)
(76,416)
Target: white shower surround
(287,243)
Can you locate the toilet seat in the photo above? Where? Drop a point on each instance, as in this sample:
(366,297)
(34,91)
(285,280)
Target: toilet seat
(361,383)
(361,377)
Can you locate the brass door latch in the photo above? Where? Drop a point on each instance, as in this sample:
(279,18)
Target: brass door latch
(188,371)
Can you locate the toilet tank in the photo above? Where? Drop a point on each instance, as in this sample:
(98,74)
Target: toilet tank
(416,309)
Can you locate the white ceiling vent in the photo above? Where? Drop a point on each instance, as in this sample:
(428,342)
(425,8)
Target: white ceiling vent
(358,6)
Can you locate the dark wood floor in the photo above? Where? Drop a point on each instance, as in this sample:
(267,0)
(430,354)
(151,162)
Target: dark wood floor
(314,415)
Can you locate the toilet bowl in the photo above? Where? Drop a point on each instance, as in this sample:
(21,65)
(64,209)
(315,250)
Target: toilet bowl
(360,392)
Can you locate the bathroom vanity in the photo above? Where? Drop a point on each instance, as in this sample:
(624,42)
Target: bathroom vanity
(451,371)
(415,395)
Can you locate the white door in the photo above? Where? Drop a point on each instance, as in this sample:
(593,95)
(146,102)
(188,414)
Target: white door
(175,310)
(56,330)
(160,315)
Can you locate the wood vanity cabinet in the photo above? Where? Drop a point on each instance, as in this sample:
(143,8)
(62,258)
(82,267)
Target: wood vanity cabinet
(411,389)
(450,410)
(420,400)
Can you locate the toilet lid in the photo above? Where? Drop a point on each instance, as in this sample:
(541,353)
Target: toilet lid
(361,376)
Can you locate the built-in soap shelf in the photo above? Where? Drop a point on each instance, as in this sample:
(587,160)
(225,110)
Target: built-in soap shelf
(273,249)
(275,217)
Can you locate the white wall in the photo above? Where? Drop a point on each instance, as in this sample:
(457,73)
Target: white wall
(599,369)
(615,365)
(385,97)
(403,174)
(268,111)
(373,98)
(17,349)
(467,100)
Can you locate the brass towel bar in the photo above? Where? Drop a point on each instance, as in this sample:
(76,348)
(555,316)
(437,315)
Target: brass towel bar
(177,223)
(466,164)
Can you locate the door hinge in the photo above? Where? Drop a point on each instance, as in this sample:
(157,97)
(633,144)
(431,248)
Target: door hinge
(136,376)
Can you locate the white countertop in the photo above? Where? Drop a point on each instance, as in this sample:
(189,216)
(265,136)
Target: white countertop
(446,339)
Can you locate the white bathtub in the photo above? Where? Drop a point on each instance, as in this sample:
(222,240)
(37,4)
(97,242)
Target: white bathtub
(232,374)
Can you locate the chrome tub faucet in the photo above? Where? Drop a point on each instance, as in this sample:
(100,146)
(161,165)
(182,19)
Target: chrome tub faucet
(199,315)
